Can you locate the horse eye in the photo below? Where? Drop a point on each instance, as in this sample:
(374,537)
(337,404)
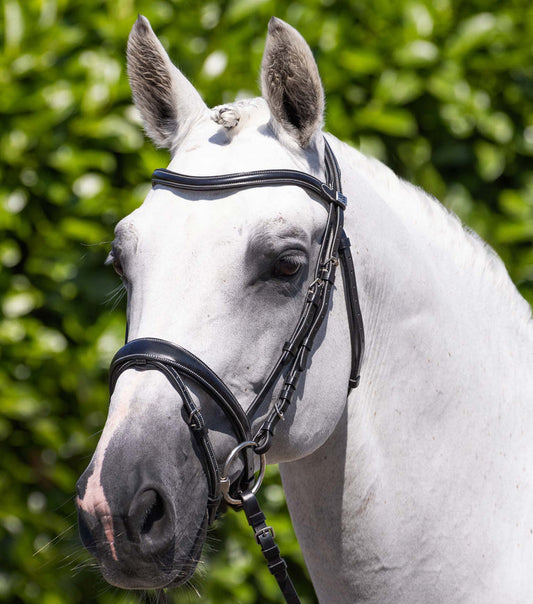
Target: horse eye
(287,266)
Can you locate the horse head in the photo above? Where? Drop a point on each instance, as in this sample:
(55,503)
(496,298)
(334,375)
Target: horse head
(222,274)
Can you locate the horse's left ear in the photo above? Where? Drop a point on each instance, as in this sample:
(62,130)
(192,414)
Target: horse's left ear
(291,83)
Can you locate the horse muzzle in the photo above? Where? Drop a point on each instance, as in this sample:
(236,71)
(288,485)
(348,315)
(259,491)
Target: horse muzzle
(140,548)
(142,501)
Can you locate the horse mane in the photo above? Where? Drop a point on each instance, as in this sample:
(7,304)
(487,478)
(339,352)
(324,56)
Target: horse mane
(427,217)
(425,214)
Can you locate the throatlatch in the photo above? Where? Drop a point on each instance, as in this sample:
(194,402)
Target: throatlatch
(177,363)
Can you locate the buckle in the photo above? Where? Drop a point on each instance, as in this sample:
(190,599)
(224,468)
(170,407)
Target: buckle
(264,531)
(331,260)
(341,199)
(334,195)
(311,290)
(195,420)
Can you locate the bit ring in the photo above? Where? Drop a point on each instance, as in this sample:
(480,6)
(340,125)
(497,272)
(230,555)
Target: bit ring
(224,480)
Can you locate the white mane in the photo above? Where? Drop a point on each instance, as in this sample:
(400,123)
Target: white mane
(428,218)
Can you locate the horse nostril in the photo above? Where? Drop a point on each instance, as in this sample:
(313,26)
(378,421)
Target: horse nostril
(155,510)
(86,531)
(149,522)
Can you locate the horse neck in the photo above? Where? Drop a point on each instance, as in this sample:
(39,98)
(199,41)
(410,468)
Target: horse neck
(430,288)
(449,344)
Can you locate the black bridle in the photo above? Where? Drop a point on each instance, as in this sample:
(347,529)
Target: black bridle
(177,363)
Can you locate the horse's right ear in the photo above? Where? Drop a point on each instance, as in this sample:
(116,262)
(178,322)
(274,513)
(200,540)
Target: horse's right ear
(168,102)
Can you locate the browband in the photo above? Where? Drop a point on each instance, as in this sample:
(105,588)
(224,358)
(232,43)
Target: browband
(245,180)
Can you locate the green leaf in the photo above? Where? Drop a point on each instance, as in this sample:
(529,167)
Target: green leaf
(395,122)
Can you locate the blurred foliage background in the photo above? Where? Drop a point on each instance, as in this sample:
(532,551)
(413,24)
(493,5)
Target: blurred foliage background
(440,90)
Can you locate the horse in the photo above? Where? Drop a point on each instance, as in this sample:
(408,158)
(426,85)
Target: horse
(413,487)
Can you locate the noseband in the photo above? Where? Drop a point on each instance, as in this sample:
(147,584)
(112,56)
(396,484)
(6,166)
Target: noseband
(177,363)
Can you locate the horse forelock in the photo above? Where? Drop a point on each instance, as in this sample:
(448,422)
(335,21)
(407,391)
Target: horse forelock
(255,139)
(233,117)
(247,115)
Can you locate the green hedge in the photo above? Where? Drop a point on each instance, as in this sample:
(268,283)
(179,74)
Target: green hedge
(442,91)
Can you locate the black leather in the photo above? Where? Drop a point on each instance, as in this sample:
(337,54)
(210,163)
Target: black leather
(149,350)
(245,180)
(174,361)
(264,535)
(355,318)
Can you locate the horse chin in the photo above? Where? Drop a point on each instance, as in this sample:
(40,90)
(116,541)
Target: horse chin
(156,574)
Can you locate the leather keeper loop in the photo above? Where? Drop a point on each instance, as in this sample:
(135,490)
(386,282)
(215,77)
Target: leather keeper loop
(327,273)
(292,380)
(278,568)
(344,243)
(306,344)
(289,348)
(355,382)
(199,431)
(303,353)
(255,518)
(313,295)
(196,421)
(265,435)
(286,394)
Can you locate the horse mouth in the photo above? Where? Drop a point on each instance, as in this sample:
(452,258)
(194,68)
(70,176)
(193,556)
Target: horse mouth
(185,573)
(158,572)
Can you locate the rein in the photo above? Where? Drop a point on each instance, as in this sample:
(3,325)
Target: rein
(176,363)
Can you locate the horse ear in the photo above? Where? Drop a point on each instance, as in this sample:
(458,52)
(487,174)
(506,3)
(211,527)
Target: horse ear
(291,83)
(168,102)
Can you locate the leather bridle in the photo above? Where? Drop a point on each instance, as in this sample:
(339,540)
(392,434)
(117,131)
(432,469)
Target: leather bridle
(176,363)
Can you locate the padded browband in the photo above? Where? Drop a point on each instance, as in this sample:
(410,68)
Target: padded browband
(245,180)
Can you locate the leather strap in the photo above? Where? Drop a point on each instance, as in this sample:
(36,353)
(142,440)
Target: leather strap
(173,361)
(296,351)
(353,310)
(149,351)
(264,535)
(245,180)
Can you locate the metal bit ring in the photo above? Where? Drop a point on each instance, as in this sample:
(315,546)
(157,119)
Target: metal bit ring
(224,480)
